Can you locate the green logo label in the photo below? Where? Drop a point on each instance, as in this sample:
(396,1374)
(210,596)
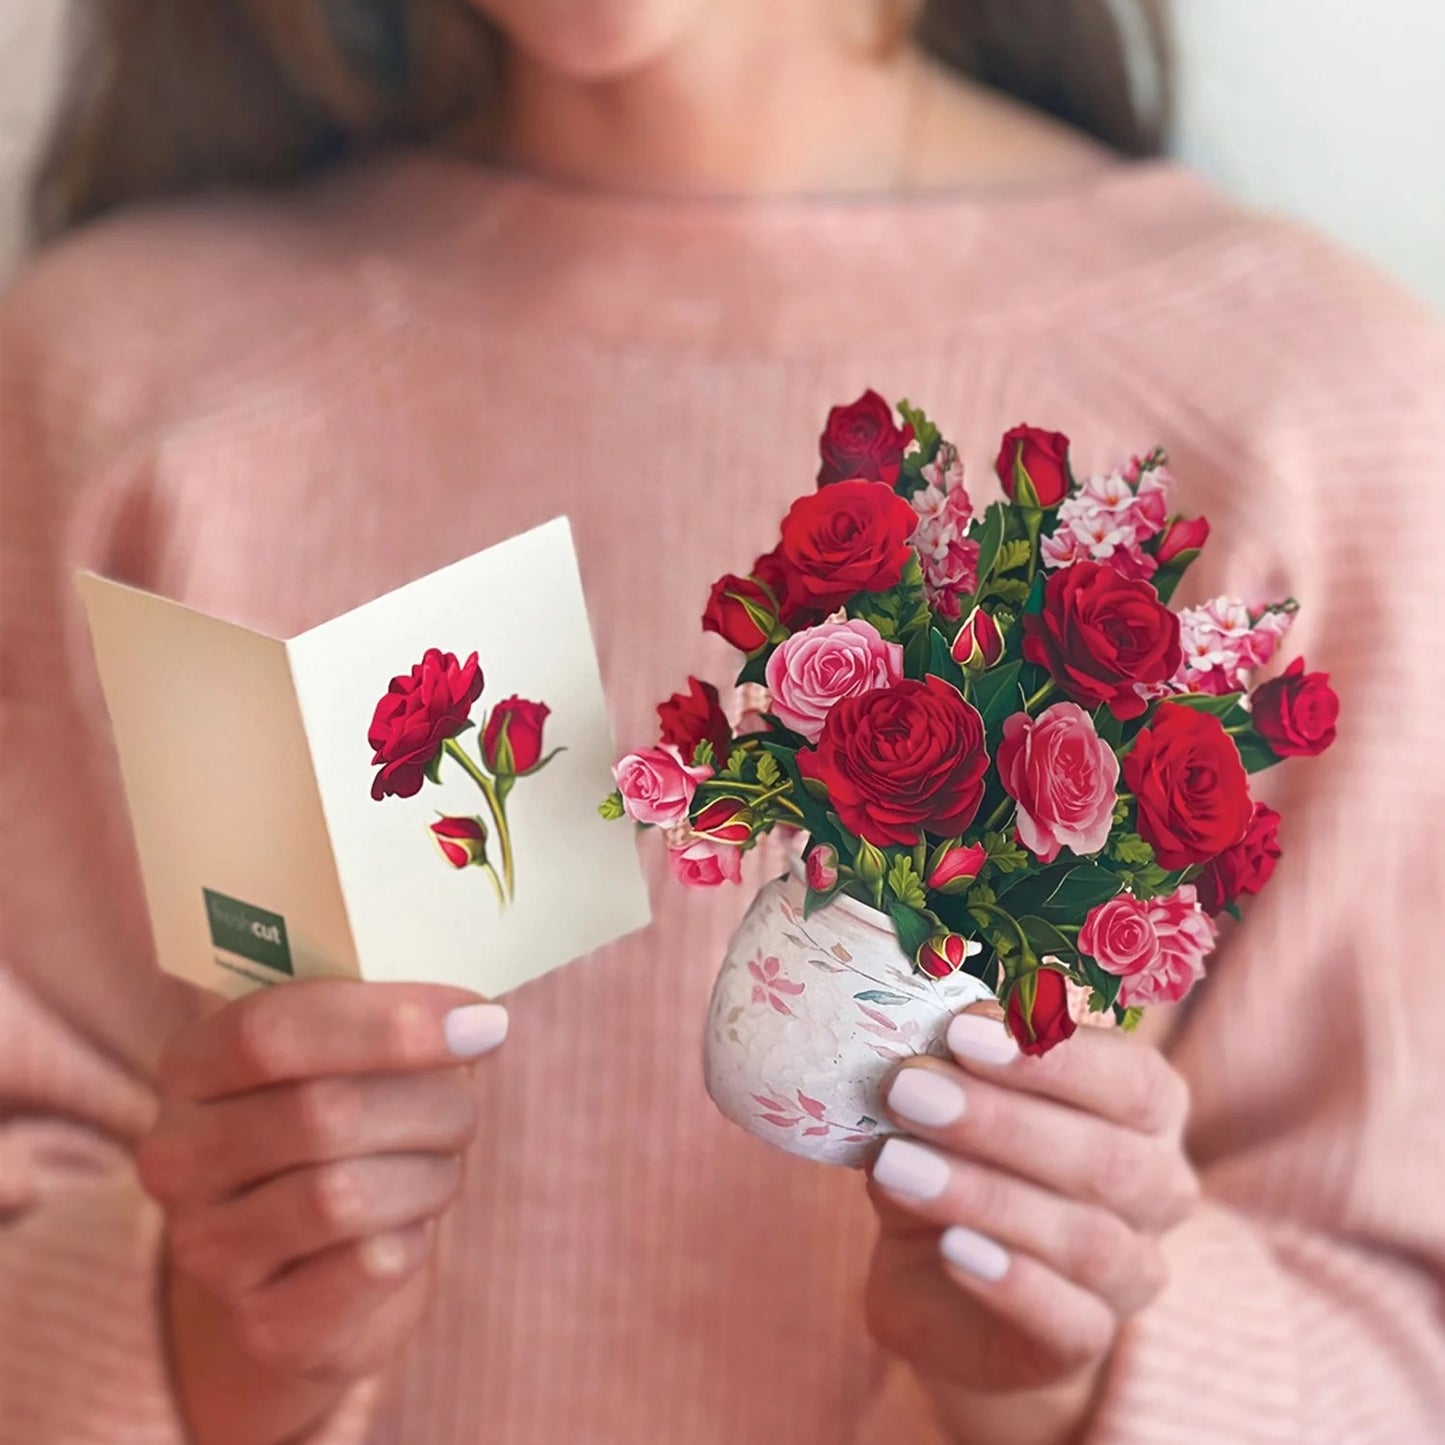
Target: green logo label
(249,931)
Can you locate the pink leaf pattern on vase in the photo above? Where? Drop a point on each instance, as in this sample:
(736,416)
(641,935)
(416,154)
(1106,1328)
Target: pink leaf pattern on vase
(769,985)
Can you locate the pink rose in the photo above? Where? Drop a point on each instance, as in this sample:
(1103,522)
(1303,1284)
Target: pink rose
(815,669)
(657,786)
(1186,938)
(1063,775)
(1157,948)
(705,863)
(1119,936)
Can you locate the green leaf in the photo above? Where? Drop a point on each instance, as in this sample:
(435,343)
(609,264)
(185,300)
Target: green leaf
(816,817)
(1104,984)
(990,540)
(1035,602)
(1008,589)
(1132,849)
(906,885)
(755,669)
(940,663)
(925,433)
(815,899)
(996,694)
(881,995)
(1129,1018)
(611,806)
(703,755)
(1108,727)
(1220,707)
(1004,853)
(1013,555)
(1044,938)
(913,927)
(1254,752)
(1079,890)
(769,773)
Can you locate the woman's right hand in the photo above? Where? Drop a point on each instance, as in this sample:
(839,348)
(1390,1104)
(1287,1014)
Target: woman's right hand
(308,1138)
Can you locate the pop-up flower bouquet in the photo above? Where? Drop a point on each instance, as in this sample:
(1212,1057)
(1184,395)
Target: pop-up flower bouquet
(1011,769)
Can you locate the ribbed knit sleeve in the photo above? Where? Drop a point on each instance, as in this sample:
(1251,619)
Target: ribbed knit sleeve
(82,1011)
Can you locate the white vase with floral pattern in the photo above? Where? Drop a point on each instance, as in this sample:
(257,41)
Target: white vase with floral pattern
(809,1017)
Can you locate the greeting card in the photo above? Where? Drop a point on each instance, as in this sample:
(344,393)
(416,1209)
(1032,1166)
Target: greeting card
(406,792)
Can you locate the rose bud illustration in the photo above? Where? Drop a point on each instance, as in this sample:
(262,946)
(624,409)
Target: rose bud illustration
(512,738)
(953,867)
(945,953)
(1039,1024)
(1033,466)
(726,820)
(979,643)
(1183,540)
(822,868)
(461,841)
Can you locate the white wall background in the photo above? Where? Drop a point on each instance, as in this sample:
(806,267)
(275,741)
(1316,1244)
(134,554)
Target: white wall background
(1331,110)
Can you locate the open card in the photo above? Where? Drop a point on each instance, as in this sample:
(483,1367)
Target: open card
(298,814)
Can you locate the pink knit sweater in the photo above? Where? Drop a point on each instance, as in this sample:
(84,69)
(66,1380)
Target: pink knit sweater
(277,410)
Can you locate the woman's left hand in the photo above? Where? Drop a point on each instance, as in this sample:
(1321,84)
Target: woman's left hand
(1021,1220)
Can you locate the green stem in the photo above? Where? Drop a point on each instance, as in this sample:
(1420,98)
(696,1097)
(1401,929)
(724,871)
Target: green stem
(497,884)
(499,817)
(1044,692)
(997,818)
(1033,521)
(1012,923)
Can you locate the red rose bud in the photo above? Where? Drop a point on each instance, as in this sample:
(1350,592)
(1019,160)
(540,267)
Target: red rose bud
(461,841)
(1296,712)
(861,442)
(1183,540)
(512,738)
(1049,1022)
(953,867)
(942,955)
(821,868)
(1244,868)
(1033,466)
(728,820)
(740,610)
(979,643)
(695,716)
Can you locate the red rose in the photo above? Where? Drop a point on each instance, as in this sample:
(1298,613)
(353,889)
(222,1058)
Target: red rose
(512,738)
(1050,1021)
(773,571)
(1191,787)
(741,610)
(848,538)
(1244,868)
(861,441)
(1099,634)
(1296,712)
(419,712)
(695,716)
(901,761)
(1033,466)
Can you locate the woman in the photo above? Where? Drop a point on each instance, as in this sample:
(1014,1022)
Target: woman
(633,252)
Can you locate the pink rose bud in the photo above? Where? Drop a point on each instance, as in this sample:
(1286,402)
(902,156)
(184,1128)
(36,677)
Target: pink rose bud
(979,643)
(728,820)
(461,841)
(954,867)
(943,954)
(1183,540)
(822,868)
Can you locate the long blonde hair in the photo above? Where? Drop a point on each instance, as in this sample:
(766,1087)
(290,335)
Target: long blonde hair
(171,96)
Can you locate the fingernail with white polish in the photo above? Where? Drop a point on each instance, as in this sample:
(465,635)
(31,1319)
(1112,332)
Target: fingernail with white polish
(973,1253)
(909,1168)
(982,1039)
(385,1255)
(476,1029)
(927,1097)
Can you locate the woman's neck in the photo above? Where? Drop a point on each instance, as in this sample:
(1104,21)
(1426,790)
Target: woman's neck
(755,109)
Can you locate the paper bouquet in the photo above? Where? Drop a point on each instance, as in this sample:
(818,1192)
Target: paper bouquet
(992,729)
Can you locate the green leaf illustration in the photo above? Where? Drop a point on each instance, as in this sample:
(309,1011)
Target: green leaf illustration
(906,885)
(611,806)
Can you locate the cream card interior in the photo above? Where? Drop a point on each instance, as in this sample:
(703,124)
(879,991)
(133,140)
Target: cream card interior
(248,774)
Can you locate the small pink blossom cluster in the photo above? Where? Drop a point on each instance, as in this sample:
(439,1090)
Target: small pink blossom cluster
(1224,641)
(1109,519)
(948,558)
(1156,948)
